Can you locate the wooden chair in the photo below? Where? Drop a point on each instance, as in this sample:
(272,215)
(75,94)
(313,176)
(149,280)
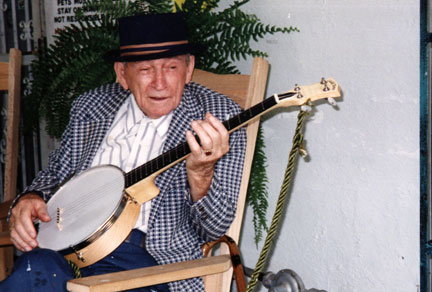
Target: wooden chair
(10,81)
(217,271)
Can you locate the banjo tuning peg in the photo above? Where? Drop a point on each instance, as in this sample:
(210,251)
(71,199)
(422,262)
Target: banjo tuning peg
(331,101)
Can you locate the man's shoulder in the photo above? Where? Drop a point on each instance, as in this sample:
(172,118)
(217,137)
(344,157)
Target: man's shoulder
(211,100)
(101,93)
(108,95)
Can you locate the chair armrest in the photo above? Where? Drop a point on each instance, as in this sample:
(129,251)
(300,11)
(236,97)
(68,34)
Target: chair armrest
(4,232)
(4,209)
(151,276)
(5,239)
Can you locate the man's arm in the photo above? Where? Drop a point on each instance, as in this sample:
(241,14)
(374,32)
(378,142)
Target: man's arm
(30,204)
(213,213)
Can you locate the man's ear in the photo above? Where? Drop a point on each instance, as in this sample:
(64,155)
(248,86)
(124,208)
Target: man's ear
(119,68)
(190,68)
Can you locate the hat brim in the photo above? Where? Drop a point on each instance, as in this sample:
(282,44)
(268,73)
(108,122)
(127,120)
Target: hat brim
(114,56)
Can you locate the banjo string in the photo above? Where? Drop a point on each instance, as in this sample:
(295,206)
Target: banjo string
(86,199)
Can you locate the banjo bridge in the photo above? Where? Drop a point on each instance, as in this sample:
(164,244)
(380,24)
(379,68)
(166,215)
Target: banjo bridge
(59,218)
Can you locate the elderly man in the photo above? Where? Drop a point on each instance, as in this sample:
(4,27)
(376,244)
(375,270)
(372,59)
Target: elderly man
(151,109)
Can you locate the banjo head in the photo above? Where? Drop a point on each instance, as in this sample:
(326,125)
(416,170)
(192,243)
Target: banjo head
(81,206)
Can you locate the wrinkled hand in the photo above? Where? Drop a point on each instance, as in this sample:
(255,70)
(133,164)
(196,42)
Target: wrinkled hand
(29,208)
(214,139)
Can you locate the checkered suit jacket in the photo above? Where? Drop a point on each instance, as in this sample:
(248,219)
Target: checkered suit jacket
(177,226)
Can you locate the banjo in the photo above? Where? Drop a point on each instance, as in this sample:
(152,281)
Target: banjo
(93,212)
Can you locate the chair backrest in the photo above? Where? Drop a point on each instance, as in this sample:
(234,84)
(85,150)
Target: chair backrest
(10,81)
(246,90)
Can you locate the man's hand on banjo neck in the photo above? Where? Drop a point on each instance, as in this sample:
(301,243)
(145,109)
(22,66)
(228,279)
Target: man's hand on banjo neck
(214,139)
(22,231)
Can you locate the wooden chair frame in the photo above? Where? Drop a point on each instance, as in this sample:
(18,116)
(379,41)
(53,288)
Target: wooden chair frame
(217,271)
(10,81)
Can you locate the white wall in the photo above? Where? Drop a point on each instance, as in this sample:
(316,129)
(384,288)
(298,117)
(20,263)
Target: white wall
(352,223)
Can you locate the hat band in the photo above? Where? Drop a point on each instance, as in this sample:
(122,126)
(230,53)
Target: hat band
(165,44)
(142,53)
(146,49)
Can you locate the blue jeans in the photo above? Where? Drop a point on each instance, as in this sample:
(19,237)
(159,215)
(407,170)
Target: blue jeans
(44,270)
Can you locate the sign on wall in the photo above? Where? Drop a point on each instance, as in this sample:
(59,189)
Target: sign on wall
(61,13)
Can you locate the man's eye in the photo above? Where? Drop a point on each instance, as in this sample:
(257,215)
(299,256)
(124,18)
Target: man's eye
(145,71)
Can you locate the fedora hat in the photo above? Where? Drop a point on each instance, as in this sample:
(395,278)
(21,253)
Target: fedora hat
(151,36)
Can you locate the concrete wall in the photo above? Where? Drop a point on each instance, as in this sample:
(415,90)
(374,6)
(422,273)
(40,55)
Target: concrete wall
(352,223)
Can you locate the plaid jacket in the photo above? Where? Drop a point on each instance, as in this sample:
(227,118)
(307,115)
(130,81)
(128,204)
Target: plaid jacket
(177,226)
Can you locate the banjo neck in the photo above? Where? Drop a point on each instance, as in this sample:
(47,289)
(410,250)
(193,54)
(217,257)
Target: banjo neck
(175,155)
(143,175)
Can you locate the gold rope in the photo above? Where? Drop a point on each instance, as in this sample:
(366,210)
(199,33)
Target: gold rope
(296,146)
(75,268)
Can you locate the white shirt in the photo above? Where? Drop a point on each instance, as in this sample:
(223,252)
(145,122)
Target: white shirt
(132,140)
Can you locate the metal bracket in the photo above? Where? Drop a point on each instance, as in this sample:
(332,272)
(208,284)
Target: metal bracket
(284,281)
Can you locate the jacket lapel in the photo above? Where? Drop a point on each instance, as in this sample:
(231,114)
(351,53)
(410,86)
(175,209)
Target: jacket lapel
(90,131)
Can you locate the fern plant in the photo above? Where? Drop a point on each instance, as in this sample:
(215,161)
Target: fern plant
(74,63)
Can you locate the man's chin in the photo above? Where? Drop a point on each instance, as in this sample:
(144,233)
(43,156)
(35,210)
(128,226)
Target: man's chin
(158,112)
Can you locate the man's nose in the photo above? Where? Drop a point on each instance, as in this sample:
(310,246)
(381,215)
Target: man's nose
(159,80)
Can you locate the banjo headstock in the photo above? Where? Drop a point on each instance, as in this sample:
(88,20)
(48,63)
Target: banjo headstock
(300,95)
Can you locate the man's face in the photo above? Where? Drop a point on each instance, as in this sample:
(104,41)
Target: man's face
(156,84)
